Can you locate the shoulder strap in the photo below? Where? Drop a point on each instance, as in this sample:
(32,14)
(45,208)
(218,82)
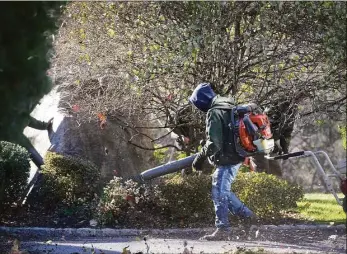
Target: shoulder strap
(234,126)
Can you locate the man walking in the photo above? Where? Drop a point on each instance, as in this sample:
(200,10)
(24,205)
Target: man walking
(221,152)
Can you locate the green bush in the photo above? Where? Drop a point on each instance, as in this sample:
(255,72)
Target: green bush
(265,194)
(185,201)
(68,180)
(14,172)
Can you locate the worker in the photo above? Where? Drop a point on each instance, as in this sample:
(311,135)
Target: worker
(221,153)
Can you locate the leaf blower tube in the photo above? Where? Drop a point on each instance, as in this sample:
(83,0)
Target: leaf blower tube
(165,169)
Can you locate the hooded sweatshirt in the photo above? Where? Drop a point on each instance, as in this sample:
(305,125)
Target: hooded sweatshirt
(202,96)
(219,147)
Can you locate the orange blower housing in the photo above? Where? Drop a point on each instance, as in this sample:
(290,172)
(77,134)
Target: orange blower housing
(261,121)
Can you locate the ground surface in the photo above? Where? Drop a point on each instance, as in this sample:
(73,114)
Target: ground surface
(309,237)
(261,240)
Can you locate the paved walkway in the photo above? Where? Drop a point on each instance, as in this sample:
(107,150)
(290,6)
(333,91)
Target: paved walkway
(272,239)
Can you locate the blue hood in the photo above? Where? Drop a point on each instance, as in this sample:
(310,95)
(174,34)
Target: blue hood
(202,96)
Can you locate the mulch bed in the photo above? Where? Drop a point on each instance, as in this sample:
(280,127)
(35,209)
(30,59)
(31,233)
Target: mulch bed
(34,216)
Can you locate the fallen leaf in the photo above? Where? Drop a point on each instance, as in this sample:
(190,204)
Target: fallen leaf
(81,222)
(257,233)
(333,237)
(169,97)
(15,248)
(93,223)
(307,205)
(16,245)
(101,117)
(75,108)
(131,200)
(103,124)
(126,251)
(186,251)
(111,32)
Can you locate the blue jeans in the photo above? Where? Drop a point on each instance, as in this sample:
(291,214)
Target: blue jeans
(223,199)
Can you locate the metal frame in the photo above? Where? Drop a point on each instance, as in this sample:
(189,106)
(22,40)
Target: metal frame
(327,181)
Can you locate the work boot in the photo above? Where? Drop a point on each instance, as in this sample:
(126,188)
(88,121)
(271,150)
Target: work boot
(245,212)
(250,220)
(250,224)
(220,234)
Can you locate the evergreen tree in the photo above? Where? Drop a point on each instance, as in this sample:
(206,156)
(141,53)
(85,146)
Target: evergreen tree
(25,46)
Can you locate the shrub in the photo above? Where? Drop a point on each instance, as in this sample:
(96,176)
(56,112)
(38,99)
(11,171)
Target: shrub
(14,172)
(160,155)
(266,194)
(68,180)
(128,203)
(184,201)
(187,199)
(168,203)
(113,203)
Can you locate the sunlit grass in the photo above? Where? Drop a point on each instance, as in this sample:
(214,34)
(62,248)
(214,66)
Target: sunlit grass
(255,251)
(321,208)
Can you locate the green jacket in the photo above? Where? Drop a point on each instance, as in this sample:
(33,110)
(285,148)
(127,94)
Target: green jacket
(219,146)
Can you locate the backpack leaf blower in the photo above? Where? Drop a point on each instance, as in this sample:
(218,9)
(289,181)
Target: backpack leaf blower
(252,133)
(252,136)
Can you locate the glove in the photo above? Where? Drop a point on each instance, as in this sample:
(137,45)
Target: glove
(186,171)
(198,162)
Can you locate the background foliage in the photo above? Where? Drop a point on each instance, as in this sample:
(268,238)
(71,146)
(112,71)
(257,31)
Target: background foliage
(25,49)
(138,62)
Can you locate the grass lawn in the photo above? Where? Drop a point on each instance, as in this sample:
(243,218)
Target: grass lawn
(321,208)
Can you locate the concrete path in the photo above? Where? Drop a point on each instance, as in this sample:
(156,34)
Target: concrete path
(160,245)
(270,240)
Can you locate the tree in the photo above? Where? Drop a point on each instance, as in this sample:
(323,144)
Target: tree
(138,62)
(25,48)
